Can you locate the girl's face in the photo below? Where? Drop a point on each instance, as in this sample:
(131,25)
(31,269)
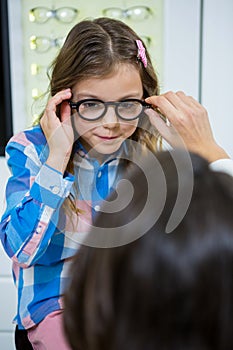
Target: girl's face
(105,136)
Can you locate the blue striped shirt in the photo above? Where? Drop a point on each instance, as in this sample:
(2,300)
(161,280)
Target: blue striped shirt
(36,231)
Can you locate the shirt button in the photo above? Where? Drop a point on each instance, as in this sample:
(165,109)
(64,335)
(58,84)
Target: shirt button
(99,174)
(97,207)
(39,229)
(55,189)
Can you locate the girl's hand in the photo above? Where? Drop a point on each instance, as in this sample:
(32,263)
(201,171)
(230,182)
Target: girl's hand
(188,124)
(59,133)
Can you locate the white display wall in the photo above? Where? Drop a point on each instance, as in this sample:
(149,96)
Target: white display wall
(217,69)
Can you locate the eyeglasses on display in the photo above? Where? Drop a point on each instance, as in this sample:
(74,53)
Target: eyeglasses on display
(43,14)
(44,43)
(94,109)
(37,69)
(136,13)
(37,93)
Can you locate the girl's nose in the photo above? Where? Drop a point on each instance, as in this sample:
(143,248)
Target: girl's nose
(110,119)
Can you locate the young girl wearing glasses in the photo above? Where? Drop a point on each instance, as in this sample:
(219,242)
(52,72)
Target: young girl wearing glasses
(102,109)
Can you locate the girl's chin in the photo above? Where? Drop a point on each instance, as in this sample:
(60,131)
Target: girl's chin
(104,149)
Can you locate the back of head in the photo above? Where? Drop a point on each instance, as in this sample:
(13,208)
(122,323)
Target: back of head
(186,275)
(163,291)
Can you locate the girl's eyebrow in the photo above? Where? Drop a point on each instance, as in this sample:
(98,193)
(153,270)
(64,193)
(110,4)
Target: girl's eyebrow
(132,95)
(86,95)
(91,95)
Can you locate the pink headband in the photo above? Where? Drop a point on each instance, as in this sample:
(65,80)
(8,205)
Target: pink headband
(141,53)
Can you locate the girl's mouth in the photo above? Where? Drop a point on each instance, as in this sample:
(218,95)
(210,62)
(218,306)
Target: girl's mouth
(107,137)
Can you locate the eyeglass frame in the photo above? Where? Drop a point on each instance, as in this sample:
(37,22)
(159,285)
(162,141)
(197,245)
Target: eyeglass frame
(53,13)
(75,105)
(125,11)
(53,42)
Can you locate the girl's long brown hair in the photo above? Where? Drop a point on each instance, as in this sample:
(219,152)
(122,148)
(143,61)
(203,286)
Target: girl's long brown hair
(95,49)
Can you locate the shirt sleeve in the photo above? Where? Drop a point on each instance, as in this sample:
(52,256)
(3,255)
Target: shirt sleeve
(223,165)
(34,195)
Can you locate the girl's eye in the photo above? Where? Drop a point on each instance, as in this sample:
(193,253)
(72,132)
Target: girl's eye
(127,105)
(90,105)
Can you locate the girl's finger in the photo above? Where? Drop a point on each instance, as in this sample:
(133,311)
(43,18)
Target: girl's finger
(65,111)
(57,99)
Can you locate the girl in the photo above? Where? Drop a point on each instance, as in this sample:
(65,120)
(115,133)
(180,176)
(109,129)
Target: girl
(102,87)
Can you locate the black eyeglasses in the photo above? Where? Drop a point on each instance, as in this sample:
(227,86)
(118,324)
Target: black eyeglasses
(94,109)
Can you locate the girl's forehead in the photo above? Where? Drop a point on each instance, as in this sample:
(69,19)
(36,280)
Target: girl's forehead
(122,82)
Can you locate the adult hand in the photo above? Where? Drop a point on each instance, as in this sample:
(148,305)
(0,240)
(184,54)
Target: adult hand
(59,133)
(188,124)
